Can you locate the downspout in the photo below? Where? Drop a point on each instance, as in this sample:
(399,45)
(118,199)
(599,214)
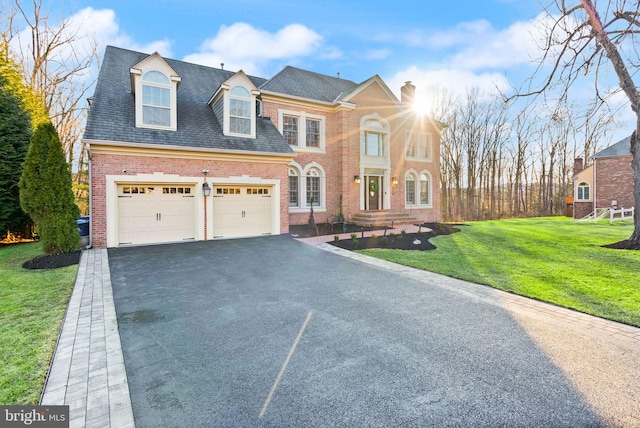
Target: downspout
(594,188)
(90,201)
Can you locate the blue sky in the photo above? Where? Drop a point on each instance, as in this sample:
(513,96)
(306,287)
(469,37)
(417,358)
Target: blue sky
(455,44)
(353,38)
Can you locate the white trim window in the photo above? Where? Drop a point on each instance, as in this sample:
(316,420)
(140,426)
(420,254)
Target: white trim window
(156,99)
(374,144)
(410,190)
(583,191)
(303,131)
(294,187)
(313,187)
(290,129)
(305,184)
(375,137)
(425,189)
(155,87)
(240,111)
(418,193)
(418,145)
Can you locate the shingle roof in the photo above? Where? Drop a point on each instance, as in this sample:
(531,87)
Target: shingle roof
(621,148)
(112,113)
(307,84)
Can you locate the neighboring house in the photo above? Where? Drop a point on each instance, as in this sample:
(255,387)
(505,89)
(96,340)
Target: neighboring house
(607,182)
(161,131)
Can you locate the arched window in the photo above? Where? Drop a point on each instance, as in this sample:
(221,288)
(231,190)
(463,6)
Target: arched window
(156,99)
(294,187)
(374,138)
(375,134)
(410,189)
(240,111)
(583,191)
(425,189)
(313,187)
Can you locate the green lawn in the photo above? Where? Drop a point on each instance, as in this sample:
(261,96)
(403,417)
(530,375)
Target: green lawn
(32,306)
(553,259)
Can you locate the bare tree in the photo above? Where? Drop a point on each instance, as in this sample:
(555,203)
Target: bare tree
(582,40)
(55,60)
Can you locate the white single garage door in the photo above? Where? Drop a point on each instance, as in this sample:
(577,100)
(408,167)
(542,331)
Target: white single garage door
(153,213)
(240,211)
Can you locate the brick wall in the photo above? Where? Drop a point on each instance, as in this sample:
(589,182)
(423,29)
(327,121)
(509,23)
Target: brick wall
(108,164)
(582,209)
(614,181)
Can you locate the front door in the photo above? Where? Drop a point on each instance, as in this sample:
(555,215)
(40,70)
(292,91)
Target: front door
(373,192)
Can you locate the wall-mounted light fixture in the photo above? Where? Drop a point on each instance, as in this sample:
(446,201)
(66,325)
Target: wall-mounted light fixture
(394,181)
(356,179)
(206,190)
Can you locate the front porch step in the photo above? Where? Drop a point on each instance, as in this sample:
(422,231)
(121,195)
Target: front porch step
(382,218)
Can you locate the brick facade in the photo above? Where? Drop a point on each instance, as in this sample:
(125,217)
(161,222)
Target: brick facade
(610,179)
(614,182)
(582,209)
(122,151)
(103,165)
(341,159)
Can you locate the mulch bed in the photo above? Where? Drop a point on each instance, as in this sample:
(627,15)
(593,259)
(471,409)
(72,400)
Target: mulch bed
(54,261)
(306,231)
(409,241)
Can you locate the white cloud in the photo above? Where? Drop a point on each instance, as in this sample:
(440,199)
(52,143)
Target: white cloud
(457,82)
(377,54)
(241,46)
(477,45)
(89,29)
(473,54)
(102,26)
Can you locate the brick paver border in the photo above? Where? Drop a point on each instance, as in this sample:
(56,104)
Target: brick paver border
(88,372)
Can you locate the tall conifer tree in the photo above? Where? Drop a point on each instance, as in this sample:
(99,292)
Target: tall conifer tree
(15,131)
(45,192)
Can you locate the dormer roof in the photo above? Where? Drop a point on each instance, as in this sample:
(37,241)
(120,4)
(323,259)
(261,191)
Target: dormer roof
(153,62)
(112,114)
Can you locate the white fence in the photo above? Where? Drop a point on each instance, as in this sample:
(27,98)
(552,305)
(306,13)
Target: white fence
(625,213)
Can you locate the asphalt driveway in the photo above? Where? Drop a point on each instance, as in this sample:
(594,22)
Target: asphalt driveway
(273,332)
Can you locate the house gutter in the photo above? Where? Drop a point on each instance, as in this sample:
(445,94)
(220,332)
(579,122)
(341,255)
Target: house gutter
(160,148)
(595,187)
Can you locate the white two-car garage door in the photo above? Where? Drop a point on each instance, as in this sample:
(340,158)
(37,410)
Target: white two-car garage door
(240,211)
(155,213)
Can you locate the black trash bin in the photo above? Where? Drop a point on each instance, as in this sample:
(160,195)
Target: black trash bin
(83,230)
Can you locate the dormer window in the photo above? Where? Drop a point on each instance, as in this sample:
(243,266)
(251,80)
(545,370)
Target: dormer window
(156,99)
(235,104)
(240,111)
(154,85)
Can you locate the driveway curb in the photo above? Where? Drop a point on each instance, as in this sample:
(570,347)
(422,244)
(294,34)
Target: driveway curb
(88,372)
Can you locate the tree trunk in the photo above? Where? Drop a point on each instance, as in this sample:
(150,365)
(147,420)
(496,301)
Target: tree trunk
(631,91)
(635,163)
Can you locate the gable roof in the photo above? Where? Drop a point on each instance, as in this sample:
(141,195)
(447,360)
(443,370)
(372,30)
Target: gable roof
(112,113)
(621,148)
(307,84)
(364,85)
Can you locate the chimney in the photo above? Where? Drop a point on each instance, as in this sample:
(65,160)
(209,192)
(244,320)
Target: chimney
(578,165)
(407,93)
